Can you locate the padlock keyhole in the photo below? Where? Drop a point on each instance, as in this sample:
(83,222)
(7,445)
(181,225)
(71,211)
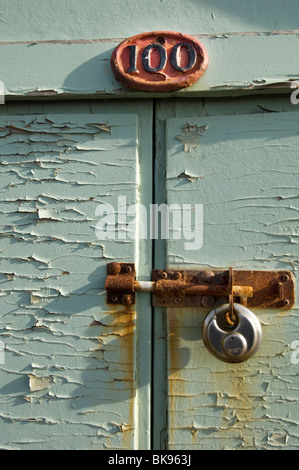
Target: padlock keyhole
(234,344)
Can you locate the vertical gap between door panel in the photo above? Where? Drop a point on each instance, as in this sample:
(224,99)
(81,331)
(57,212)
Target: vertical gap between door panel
(153,265)
(159,365)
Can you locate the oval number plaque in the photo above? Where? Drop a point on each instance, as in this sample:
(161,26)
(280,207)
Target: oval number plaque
(159,61)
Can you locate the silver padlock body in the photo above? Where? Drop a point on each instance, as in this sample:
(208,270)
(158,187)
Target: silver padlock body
(236,344)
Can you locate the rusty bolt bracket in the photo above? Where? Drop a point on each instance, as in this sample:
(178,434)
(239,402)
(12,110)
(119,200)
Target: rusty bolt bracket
(201,288)
(119,283)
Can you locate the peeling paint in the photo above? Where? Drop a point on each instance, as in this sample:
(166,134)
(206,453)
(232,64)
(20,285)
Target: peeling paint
(248,196)
(70,362)
(238,64)
(191,136)
(39,383)
(186,175)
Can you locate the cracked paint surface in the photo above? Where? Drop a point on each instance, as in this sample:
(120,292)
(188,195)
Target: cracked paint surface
(69,375)
(247,180)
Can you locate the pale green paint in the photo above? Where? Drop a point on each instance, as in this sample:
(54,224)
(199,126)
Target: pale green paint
(247,180)
(239,63)
(34,20)
(63,48)
(188,346)
(77,371)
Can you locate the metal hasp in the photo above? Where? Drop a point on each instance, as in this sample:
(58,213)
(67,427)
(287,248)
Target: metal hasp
(200,288)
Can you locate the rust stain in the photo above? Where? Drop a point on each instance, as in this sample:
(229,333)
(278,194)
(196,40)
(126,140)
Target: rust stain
(78,350)
(180,323)
(231,385)
(235,399)
(118,334)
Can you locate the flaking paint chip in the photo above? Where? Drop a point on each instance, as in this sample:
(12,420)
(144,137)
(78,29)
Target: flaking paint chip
(39,383)
(34,299)
(188,176)
(191,136)
(103,127)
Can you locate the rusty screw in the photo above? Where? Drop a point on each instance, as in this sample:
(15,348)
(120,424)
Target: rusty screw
(114,298)
(286,302)
(127,299)
(114,268)
(284,278)
(129,268)
(164,275)
(177,275)
(177,300)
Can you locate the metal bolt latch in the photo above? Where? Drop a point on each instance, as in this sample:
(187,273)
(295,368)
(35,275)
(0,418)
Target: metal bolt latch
(201,288)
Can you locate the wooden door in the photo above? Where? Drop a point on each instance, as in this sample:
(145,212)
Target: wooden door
(78,373)
(75,372)
(239,159)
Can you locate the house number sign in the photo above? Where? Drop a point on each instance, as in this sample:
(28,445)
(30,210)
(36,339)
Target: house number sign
(159,61)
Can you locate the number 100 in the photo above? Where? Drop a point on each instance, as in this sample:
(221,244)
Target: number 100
(175,57)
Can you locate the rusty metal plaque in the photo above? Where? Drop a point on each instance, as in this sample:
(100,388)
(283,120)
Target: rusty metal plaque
(159,61)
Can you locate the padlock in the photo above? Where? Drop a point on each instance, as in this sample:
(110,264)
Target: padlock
(234,342)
